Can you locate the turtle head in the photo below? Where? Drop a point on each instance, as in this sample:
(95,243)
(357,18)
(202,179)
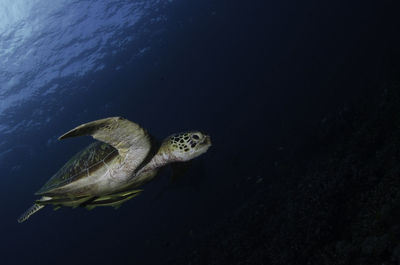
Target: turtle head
(179,148)
(188,145)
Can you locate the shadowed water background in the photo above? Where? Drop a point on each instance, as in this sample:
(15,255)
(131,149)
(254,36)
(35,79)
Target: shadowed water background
(257,77)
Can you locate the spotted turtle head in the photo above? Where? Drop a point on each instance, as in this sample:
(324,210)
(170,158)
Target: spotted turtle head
(188,145)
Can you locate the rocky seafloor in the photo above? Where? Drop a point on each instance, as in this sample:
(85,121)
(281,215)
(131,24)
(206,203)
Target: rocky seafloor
(338,204)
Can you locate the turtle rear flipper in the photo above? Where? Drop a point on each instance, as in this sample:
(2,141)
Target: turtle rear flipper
(33,209)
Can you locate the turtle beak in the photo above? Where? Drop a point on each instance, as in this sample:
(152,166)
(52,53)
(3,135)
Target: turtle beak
(207,140)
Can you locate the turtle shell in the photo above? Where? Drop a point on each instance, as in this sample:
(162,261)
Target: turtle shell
(80,166)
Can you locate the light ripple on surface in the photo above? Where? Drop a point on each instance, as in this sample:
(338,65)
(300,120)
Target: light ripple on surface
(44,41)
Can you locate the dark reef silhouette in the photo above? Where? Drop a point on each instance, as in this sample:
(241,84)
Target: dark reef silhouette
(339,204)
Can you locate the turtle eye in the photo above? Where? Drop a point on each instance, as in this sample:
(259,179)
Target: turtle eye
(196,137)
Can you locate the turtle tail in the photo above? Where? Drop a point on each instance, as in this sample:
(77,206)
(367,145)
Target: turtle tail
(33,209)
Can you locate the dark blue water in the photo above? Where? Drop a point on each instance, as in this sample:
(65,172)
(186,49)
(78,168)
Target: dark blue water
(257,76)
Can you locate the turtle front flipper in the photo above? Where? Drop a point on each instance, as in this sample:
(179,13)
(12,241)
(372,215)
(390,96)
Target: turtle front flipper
(33,209)
(118,132)
(113,200)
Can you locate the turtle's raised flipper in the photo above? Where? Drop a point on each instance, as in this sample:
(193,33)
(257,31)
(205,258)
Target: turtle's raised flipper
(118,132)
(33,209)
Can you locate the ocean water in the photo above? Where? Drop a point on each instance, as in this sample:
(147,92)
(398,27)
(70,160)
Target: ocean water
(256,76)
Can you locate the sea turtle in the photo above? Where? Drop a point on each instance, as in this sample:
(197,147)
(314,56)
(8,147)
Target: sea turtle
(108,172)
